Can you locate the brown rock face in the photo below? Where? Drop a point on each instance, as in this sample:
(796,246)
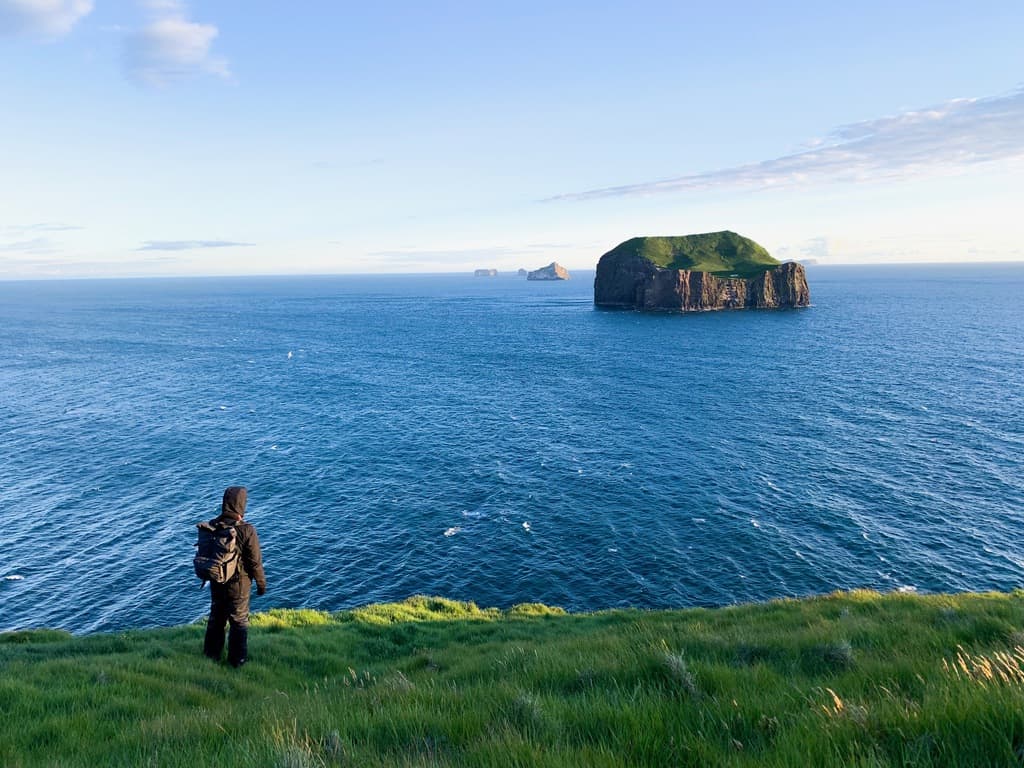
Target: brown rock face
(553,271)
(636,283)
(784,286)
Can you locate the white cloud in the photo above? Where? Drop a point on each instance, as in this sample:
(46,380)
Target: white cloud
(19,240)
(48,19)
(463,256)
(187,245)
(445,255)
(163,6)
(49,267)
(952,136)
(171,47)
(46,226)
(813,249)
(35,245)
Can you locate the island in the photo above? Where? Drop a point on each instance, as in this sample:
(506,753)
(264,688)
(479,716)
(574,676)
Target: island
(522,272)
(486,273)
(712,270)
(553,271)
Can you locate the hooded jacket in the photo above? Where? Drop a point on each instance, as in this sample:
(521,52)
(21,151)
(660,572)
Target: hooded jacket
(232,510)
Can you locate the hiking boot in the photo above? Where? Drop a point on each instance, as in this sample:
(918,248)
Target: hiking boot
(238,645)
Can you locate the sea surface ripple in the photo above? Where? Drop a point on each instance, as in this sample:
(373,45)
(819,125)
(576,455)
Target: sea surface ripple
(503,441)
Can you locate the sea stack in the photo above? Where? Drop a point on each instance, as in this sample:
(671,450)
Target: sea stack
(553,271)
(713,270)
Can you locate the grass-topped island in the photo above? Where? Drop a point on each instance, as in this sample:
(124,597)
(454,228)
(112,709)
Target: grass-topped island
(853,678)
(712,270)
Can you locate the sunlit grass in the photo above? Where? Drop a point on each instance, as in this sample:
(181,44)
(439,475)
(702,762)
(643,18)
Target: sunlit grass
(848,679)
(722,253)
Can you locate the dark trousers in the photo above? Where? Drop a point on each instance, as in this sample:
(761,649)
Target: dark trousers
(229,604)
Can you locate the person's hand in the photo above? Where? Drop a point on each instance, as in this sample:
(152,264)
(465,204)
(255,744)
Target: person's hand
(261,589)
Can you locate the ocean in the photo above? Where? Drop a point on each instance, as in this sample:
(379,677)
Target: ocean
(503,441)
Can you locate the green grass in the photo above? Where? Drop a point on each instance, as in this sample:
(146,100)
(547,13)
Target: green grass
(722,253)
(851,679)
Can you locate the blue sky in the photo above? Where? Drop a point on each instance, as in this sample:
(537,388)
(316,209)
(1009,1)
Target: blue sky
(159,137)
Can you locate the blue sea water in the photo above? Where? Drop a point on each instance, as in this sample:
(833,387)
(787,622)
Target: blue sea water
(503,441)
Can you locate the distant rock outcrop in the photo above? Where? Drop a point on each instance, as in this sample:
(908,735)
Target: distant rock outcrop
(486,273)
(716,270)
(522,272)
(553,271)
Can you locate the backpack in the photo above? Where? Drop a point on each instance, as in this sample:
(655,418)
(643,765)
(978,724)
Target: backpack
(217,553)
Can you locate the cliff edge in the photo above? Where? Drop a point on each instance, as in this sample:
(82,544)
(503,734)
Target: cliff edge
(714,270)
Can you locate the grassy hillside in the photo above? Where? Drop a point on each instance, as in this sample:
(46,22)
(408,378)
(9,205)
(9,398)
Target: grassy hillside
(723,253)
(851,679)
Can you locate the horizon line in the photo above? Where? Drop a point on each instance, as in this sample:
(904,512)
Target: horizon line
(465,273)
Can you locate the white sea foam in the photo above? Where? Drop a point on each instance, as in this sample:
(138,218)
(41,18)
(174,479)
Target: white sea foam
(14,577)
(699,519)
(754,523)
(613,549)
(452,531)
(906,588)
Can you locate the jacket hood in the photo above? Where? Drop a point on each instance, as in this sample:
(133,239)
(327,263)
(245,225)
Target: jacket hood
(234,502)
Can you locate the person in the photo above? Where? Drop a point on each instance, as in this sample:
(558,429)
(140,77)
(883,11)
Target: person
(229,602)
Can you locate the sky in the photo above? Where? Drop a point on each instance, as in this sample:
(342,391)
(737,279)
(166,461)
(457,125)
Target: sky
(163,137)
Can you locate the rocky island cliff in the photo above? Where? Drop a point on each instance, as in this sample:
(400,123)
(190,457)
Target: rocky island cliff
(714,270)
(553,271)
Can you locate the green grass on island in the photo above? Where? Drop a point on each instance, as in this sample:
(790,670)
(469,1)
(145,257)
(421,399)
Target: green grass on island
(851,679)
(722,253)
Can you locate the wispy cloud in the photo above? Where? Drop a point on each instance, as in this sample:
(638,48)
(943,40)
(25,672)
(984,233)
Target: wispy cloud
(323,165)
(42,267)
(188,245)
(37,245)
(46,19)
(464,255)
(46,226)
(19,240)
(170,47)
(952,136)
(443,256)
(814,248)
